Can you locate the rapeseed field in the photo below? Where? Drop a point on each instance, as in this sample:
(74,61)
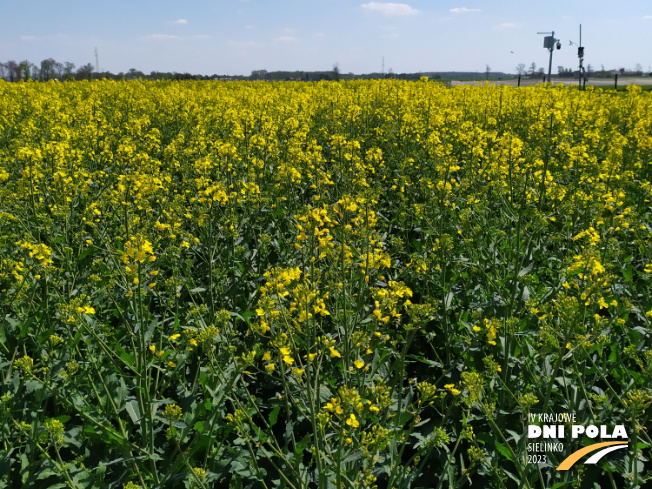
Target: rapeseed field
(322,285)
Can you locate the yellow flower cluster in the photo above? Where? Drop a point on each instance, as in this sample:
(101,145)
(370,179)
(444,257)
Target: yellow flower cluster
(338,251)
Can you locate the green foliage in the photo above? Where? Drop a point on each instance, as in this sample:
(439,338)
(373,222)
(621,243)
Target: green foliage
(356,284)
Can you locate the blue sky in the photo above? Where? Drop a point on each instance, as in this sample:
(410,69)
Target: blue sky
(238,36)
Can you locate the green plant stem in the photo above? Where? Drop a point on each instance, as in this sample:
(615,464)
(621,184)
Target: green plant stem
(448,462)
(497,430)
(191,472)
(61,466)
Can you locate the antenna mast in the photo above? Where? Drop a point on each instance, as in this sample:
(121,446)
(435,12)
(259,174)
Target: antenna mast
(97,62)
(580,55)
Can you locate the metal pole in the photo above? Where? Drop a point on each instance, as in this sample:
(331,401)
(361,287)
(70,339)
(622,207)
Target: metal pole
(551,48)
(579,74)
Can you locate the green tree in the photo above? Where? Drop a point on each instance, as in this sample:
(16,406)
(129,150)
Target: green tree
(68,69)
(47,69)
(12,71)
(25,69)
(258,75)
(84,72)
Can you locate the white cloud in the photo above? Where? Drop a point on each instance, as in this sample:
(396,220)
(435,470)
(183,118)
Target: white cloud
(390,8)
(647,17)
(159,37)
(179,22)
(60,38)
(202,36)
(286,39)
(505,25)
(464,10)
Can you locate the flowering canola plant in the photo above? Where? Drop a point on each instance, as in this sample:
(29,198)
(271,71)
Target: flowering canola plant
(353,284)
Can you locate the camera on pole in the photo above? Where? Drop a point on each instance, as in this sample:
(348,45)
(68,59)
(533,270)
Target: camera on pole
(549,42)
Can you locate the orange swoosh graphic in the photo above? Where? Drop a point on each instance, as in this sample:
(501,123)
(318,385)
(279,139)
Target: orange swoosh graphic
(575,456)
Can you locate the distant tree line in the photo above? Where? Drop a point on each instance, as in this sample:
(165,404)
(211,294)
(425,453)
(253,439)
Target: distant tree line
(50,69)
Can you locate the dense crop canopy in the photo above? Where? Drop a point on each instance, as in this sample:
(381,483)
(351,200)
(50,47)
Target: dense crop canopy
(355,284)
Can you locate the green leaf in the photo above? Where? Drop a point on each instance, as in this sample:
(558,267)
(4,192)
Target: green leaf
(613,355)
(352,457)
(89,251)
(196,290)
(451,470)
(199,427)
(505,452)
(122,460)
(448,300)
(404,418)
(260,437)
(427,361)
(560,484)
(525,270)
(301,446)
(125,356)
(45,473)
(240,468)
(628,273)
(133,411)
(324,393)
(274,415)
(511,476)
(33,386)
(244,317)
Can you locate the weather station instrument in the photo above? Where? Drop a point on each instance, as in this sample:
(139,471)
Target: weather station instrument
(550,43)
(580,55)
